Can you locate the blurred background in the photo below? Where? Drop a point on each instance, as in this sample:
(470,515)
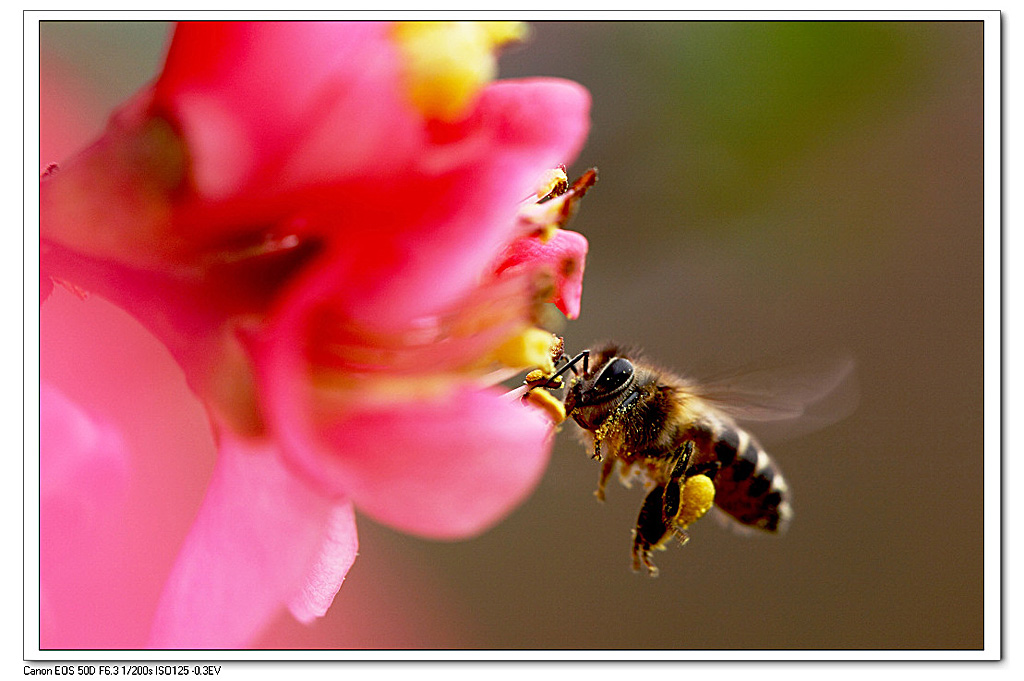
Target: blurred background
(766,190)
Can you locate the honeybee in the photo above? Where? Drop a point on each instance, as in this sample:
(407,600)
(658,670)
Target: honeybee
(682,439)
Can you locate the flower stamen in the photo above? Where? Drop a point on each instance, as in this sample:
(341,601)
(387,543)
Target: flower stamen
(532,348)
(557,206)
(554,182)
(551,405)
(447,63)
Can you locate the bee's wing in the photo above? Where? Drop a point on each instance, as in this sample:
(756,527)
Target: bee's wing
(798,398)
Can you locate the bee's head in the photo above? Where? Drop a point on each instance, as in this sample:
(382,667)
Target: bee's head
(594,394)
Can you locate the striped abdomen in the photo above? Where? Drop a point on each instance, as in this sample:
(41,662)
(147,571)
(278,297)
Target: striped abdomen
(748,486)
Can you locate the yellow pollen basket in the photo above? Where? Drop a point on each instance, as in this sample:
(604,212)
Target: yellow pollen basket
(448,62)
(698,495)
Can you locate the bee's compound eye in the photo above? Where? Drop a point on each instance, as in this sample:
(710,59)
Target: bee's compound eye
(617,372)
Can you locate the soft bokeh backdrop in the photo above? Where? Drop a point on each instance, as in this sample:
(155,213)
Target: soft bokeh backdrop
(766,190)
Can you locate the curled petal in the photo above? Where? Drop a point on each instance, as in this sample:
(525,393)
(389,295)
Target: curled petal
(337,553)
(250,550)
(564,255)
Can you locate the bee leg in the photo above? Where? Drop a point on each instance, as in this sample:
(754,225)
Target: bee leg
(682,469)
(642,555)
(688,493)
(673,491)
(671,505)
(606,471)
(651,530)
(682,458)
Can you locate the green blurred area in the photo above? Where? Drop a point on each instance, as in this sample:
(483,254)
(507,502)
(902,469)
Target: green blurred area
(766,189)
(754,95)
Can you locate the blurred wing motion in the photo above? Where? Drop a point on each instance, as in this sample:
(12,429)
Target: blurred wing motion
(786,400)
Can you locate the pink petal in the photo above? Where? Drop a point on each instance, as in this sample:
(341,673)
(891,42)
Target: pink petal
(255,97)
(393,603)
(45,287)
(81,459)
(529,126)
(83,474)
(564,255)
(546,119)
(257,535)
(397,193)
(446,468)
(104,583)
(409,248)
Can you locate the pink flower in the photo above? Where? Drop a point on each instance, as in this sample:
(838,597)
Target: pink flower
(329,227)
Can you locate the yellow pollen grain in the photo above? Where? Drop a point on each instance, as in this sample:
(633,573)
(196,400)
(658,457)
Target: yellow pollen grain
(448,62)
(531,348)
(697,497)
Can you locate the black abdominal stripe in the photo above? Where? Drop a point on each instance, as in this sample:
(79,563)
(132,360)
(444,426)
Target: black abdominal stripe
(749,486)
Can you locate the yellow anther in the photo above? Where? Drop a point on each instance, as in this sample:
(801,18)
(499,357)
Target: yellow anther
(539,397)
(551,180)
(448,62)
(697,497)
(531,348)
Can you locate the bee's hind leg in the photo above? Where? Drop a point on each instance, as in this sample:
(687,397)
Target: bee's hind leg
(673,490)
(681,468)
(651,530)
(681,458)
(642,555)
(689,493)
(659,516)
